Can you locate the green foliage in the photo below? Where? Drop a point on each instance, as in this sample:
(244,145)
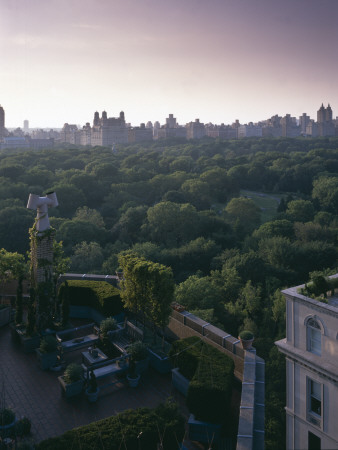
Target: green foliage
(163,424)
(31,320)
(96,294)
(108,324)
(196,292)
(137,351)
(211,376)
(147,288)
(243,214)
(246,335)
(48,344)
(300,210)
(73,373)
(87,255)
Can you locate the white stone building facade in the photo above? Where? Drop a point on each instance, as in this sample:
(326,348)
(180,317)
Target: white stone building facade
(311,350)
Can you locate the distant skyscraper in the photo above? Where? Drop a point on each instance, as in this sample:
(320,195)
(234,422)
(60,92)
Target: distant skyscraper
(324,120)
(26,126)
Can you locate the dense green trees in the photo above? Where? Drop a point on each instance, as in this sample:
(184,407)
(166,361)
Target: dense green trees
(178,204)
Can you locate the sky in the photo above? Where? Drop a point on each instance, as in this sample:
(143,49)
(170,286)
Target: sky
(216,60)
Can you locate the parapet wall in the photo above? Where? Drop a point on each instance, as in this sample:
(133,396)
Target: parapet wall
(184,324)
(249,369)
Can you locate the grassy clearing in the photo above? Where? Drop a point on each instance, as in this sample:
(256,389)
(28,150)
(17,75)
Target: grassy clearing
(267,203)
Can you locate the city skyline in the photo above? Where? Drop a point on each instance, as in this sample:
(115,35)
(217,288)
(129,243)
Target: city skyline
(217,61)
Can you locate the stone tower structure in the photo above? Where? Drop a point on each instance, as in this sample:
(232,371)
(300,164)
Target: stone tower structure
(42,239)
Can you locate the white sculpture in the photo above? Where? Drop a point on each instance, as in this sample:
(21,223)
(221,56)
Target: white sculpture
(41,204)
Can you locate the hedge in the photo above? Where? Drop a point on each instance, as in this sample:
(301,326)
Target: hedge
(211,378)
(123,431)
(97,294)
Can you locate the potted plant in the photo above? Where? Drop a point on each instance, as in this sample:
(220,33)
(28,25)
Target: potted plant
(7,418)
(108,326)
(246,337)
(132,376)
(138,353)
(47,352)
(92,390)
(72,380)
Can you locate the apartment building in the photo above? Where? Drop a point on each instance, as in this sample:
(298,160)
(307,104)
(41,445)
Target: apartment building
(311,351)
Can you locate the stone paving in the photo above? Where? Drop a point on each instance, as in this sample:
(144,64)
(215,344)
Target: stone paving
(36,394)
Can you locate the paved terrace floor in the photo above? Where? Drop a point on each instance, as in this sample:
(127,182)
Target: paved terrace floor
(36,394)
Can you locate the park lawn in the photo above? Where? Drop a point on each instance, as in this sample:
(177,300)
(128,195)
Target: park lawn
(268,203)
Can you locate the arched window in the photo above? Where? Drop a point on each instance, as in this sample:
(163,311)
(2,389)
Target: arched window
(314,336)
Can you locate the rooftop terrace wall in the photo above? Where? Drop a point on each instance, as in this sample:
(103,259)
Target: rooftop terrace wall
(249,370)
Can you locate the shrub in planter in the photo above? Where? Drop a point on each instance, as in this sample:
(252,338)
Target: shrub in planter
(246,338)
(48,344)
(73,373)
(72,380)
(108,324)
(46,353)
(138,351)
(246,335)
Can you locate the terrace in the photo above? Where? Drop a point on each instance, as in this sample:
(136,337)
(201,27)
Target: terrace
(36,394)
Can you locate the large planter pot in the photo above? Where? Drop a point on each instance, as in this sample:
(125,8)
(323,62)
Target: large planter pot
(29,343)
(5,316)
(203,431)
(71,389)
(246,343)
(142,366)
(179,381)
(159,363)
(92,396)
(46,360)
(133,381)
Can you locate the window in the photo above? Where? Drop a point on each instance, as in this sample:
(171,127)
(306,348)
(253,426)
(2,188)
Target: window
(314,442)
(314,337)
(315,398)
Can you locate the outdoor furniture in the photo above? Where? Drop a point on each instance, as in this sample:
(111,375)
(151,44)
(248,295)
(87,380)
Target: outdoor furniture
(129,334)
(88,357)
(79,337)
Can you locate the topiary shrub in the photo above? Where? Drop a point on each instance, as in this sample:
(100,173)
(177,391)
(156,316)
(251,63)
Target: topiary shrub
(48,344)
(137,351)
(246,335)
(108,324)
(100,295)
(73,373)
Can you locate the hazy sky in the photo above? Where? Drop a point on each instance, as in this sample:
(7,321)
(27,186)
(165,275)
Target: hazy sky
(217,60)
